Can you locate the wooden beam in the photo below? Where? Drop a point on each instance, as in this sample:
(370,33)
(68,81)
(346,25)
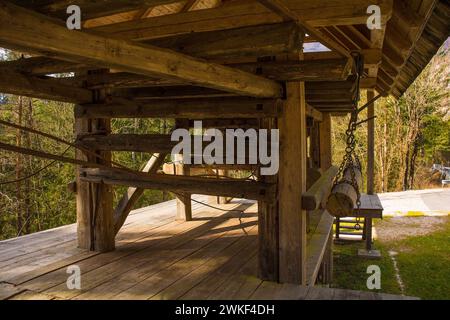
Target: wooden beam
(370,143)
(254,41)
(316,197)
(325,142)
(189,5)
(95,222)
(109,52)
(129,199)
(280,8)
(224,108)
(317,247)
(291,184)
(314,113)
(315,70)
(43,88)
(42,66)
(368,83)
(151,143)
(244,14)
(93,9)
(180,184)
(268,225)
(149,94)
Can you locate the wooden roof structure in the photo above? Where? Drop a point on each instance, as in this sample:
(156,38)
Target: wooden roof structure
(411,33)
(230,63)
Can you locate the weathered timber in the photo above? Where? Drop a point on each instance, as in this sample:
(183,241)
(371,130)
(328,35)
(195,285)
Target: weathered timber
(314,113)
(151,143)
(370,143)
(242,14)
(317,195)
(312,175)
(325,142)
(95,221)
(268,225)
(291,184)
(88,48)
(95,9)
(184,108)
(255,41)
(315,70)
(343,197)
(42,66)
(317,246)
(280,8)
(171,92)
(179,184)
(43,88)
(132,195)
(227,123)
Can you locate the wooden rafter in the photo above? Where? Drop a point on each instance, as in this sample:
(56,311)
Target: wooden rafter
(242,14)
(18,30)
(132,195)
(44,88)
(288,15)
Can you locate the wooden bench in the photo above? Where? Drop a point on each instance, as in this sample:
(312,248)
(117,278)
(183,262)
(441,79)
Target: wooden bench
(370,208)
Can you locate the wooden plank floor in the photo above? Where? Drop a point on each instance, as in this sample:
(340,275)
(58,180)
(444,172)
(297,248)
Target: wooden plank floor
(212,257)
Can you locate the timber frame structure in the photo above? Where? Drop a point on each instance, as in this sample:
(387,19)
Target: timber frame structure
(231,64)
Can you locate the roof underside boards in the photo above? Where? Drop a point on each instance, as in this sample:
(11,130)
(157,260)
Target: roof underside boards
(412,32)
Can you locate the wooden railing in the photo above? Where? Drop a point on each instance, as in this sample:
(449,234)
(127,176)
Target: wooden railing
(319,252)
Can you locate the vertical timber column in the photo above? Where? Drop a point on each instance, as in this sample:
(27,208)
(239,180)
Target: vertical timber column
(268,224)
(221,173)
(315,144)
(370,143)
(370,163)
(291,185)
(95,219)
(326,158)
(184,203)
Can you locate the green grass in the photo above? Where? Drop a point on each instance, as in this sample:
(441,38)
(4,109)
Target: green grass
(350,271)
(423,261)
(424,264)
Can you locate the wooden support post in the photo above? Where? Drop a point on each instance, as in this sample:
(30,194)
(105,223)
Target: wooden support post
(370,143)
(314,141)
(268,226)
(95,201)
(370,164)
(325,142)
(221,173)
(291,185)
(184,203)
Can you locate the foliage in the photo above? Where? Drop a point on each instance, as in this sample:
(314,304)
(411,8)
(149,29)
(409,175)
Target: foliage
(411,133)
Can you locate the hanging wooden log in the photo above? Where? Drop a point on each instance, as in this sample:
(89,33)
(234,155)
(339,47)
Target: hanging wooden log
(343,197)
(319,191)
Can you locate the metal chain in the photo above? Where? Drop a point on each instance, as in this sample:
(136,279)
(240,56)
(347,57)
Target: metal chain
(350,159)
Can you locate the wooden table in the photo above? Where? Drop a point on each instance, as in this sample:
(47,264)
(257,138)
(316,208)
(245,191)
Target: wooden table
(370,208)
